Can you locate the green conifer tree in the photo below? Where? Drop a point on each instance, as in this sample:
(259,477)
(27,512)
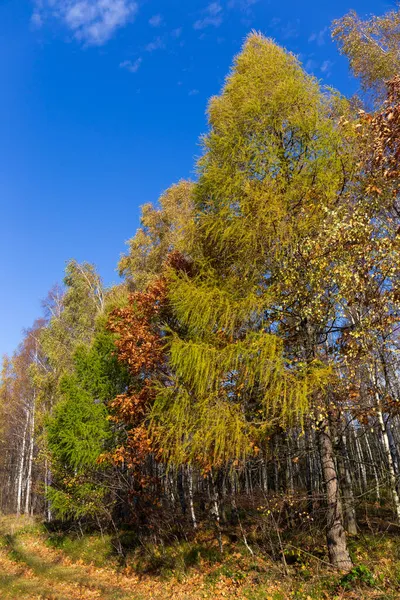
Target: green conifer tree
(79,431)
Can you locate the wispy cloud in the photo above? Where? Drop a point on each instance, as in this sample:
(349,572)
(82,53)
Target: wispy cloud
(290,30)
(156,20)
(311,65)
(161,42)
(285,29)
(212,16)
(131,66)
(157,44)
(214,8)
(319,36)
(274,22)
(244,5)
(36,19)
(92,22)
(326,67)
(193,92)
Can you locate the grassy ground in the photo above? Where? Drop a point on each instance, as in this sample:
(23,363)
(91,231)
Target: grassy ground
(38,565)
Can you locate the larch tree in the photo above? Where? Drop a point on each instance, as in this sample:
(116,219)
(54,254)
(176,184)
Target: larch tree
(274,166)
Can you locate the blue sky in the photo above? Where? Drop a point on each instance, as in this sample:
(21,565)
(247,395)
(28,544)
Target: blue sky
(101,106)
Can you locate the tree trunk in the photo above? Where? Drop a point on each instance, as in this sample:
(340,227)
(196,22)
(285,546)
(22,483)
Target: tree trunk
(389,460)
(289,469)
(47,484)
(264,474)
(393,448)
(181,490)
(190,496)
(215,511)
(310,471)
(373,466)
(335,534)
(21,466)
(361,461)
(349,514)
(30,460)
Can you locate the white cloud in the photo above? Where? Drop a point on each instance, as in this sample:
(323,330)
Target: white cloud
(93,22)
(193,92)
(275,21)
(131,66)
(156,20)
(319,37)
(214,8)
(244,5)
(176,32)
(156,44)
(213,16)
(290,30)
(36,19)
(311,65)
(326,67)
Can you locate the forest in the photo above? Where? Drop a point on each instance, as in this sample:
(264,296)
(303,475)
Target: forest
(229,414)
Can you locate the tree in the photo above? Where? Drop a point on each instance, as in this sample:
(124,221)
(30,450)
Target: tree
(372,47)
(169,227)
(370,342)
(274,167)
(18,402)
(70,320)
(140,347)
(79,432)
(72,314)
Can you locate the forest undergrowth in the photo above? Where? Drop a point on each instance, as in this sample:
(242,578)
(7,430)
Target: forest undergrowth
(38,563)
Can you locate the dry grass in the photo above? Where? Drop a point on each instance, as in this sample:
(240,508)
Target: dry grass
(31,567)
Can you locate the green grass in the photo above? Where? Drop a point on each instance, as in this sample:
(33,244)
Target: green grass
(173,560)
(91,549)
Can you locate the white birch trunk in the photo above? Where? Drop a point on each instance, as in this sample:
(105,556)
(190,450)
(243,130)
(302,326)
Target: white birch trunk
(374,470)
(21,466)
(30,459)
(190,496)
(361,461)
(389,459)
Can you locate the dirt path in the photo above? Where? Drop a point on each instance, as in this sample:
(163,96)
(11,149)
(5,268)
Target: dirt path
(29,569)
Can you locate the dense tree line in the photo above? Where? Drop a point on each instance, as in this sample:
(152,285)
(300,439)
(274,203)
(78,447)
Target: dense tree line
(248,363)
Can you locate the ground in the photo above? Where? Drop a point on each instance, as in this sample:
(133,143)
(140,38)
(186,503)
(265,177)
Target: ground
(36,564)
